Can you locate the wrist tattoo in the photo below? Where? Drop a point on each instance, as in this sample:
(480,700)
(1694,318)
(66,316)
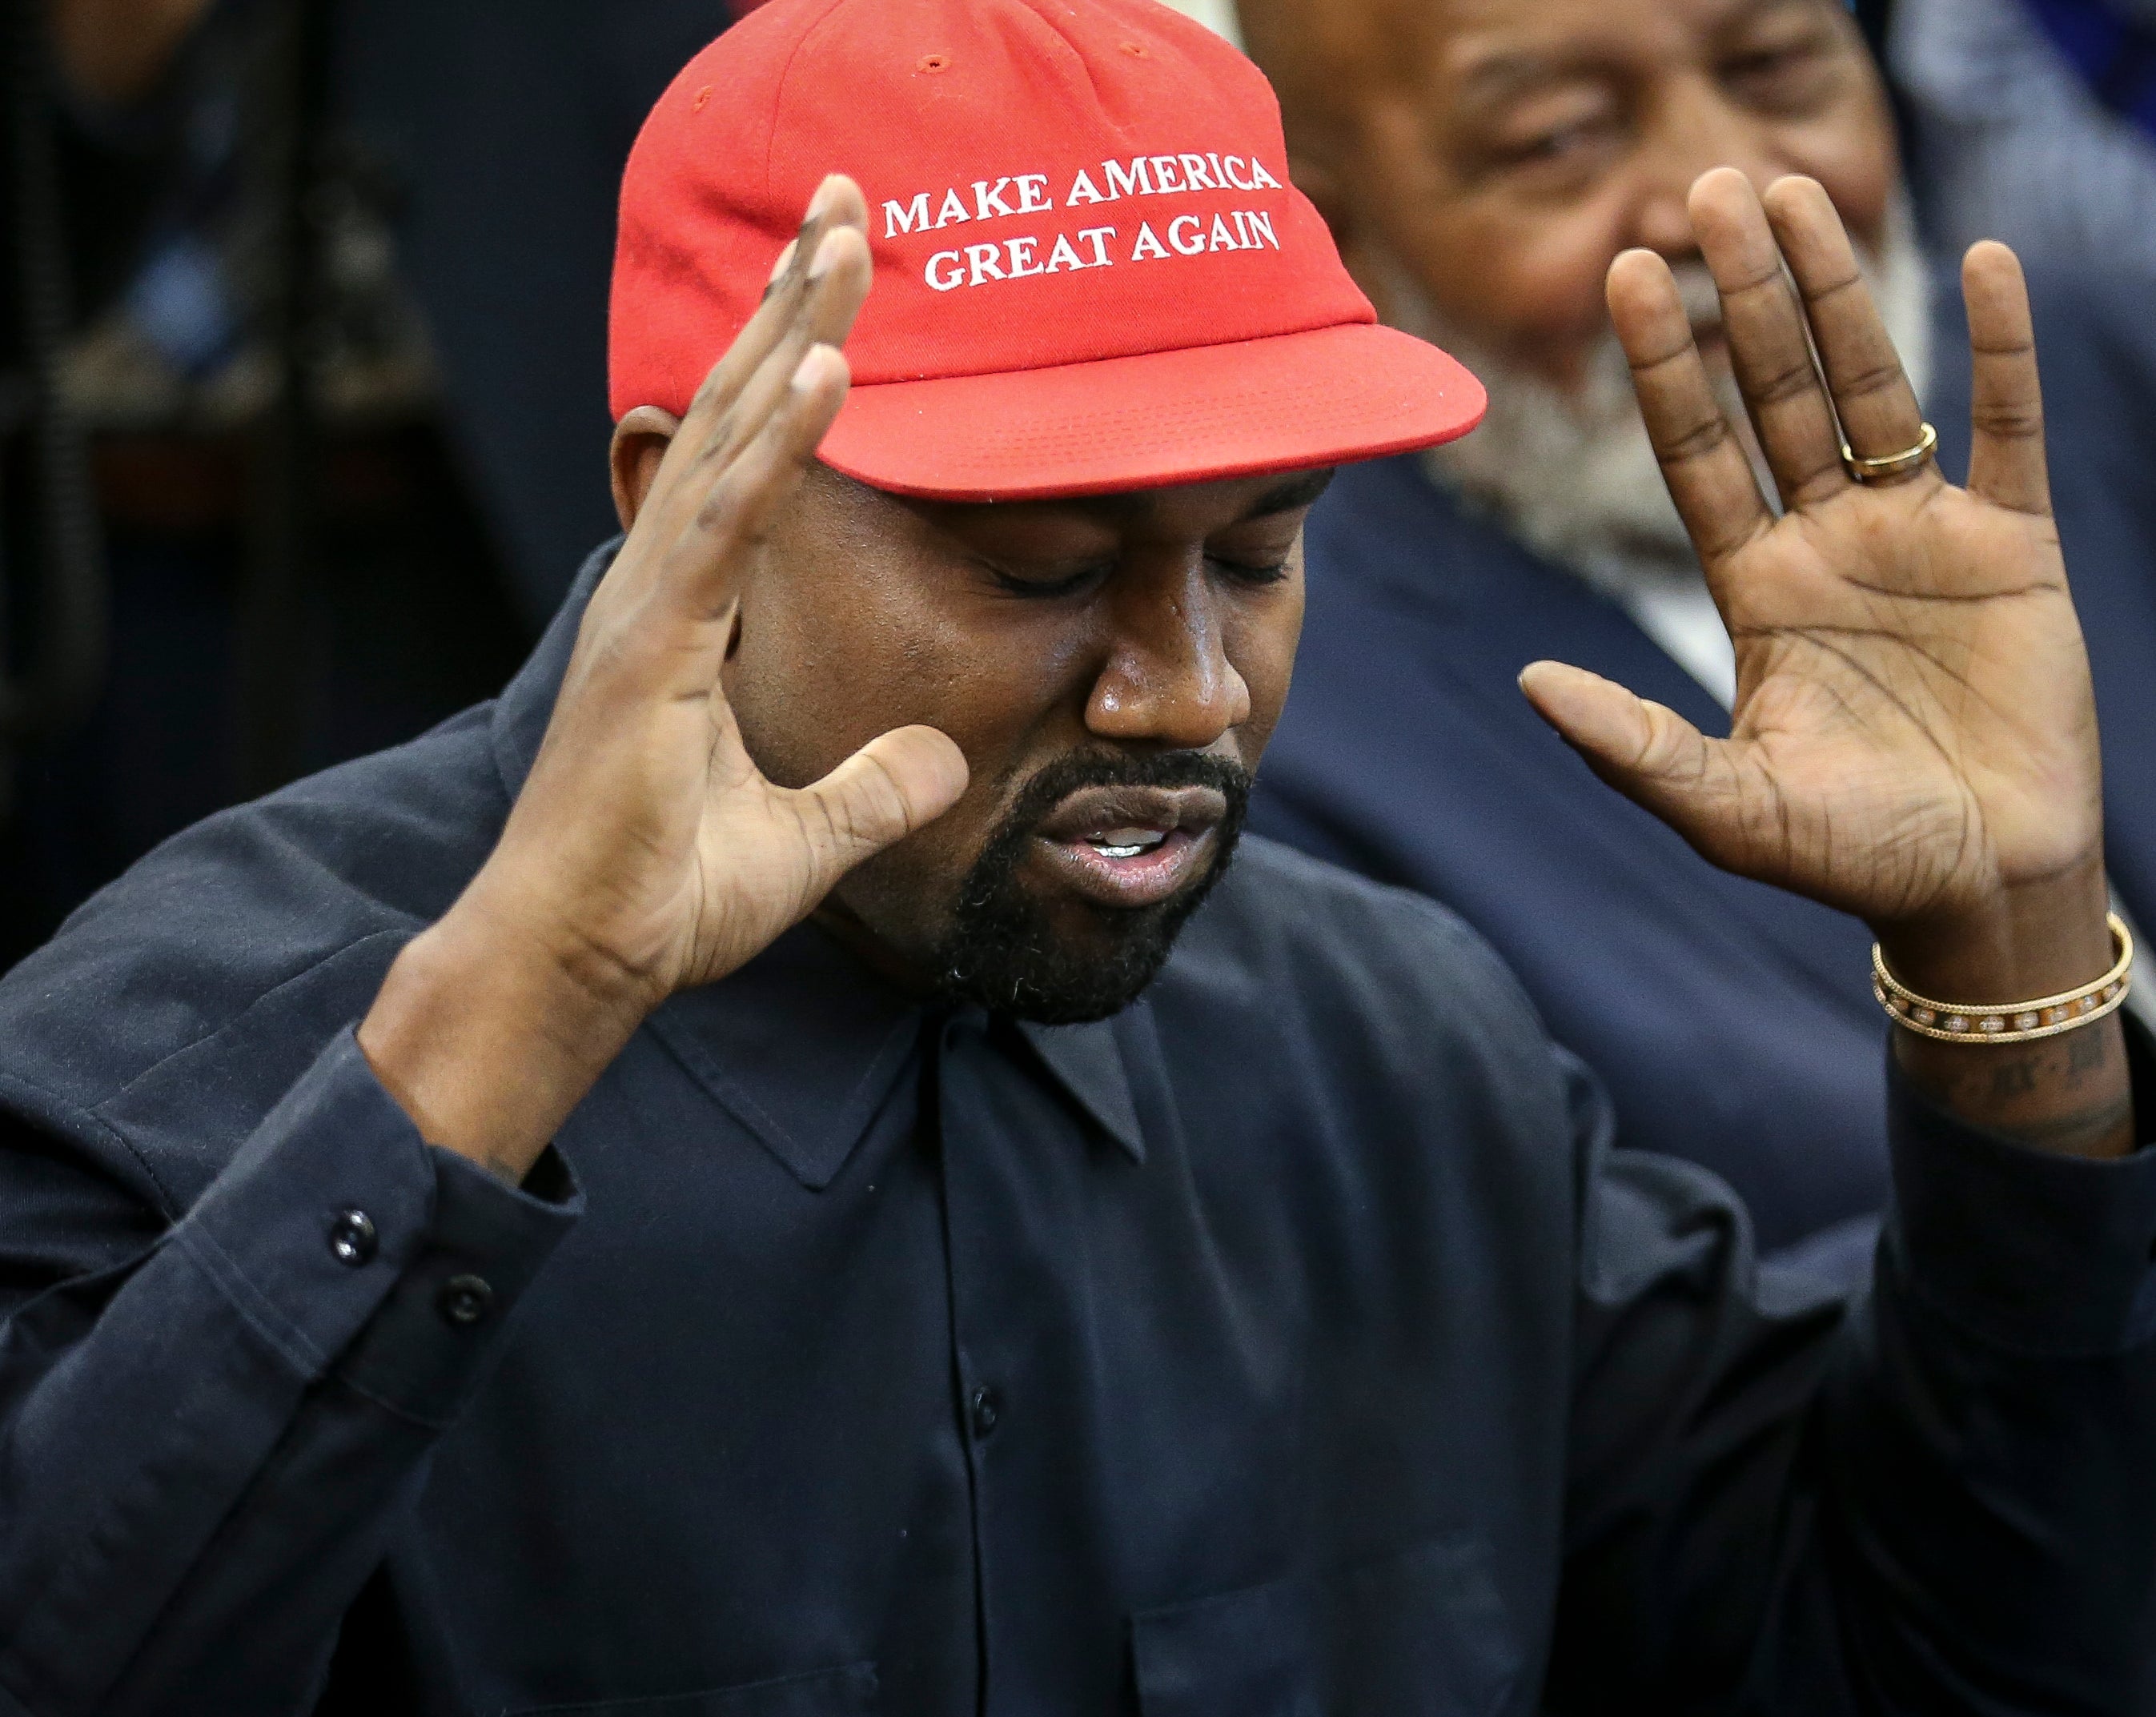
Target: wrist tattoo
(2086,1052)
(2013,1078)
(2067,1095)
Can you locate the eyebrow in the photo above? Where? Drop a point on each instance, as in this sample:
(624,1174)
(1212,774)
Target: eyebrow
(1515,71)
(1511,71)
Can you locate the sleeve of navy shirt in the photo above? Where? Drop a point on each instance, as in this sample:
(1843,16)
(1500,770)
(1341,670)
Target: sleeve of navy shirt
(1936,1496)
(241,1295)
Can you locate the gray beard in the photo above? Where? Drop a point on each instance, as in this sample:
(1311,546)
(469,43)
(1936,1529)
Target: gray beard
(1572,474)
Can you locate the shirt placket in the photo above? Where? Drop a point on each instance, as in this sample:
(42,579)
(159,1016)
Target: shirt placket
(1013,1161)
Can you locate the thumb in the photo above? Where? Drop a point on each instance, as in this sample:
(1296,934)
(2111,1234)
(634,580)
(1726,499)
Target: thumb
(882,793)
(1646,751)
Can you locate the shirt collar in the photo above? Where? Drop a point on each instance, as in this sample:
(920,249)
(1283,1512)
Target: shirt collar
(1087,1061)
(804,1045)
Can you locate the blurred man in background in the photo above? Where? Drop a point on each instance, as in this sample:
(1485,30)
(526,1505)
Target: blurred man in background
(308,251)
(1482,162)
(491,138)
(2035,121)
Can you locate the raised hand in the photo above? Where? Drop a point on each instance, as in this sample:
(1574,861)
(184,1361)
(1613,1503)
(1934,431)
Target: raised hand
(1914,735)
(647,852)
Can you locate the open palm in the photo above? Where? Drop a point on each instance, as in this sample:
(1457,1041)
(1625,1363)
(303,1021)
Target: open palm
(646,836)
(1914,730)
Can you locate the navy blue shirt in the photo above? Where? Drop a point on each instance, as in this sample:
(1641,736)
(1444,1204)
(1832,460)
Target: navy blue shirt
(1734,1024)
(1294,1342)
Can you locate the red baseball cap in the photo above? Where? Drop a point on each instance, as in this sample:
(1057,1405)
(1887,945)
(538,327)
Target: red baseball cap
(1091,273)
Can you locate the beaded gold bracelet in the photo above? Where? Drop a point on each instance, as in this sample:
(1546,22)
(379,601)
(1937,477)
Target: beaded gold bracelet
(2021,1023)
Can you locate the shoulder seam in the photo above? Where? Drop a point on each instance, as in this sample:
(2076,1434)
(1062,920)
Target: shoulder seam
(60,1106)
(90,1115)
(266,995)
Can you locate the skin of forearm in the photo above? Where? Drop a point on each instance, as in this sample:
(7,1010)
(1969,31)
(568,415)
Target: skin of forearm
(487,1044)
(115,50)
(2071,1093)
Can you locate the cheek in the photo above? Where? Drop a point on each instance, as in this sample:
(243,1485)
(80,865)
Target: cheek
(1262,647)
(830,659)
(1000,691)
(815,679)
(1527,281)
(804,690)
(1517,273)
(1856,162)
(820,672)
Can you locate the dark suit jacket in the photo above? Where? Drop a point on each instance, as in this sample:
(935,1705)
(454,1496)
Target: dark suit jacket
(1734,1024)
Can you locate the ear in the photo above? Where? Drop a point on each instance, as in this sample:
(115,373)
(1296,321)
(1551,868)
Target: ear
(640,441)
(1314,177)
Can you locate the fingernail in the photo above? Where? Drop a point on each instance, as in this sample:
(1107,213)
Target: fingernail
(785,258)
(805,372)
(827,254)
(821,200)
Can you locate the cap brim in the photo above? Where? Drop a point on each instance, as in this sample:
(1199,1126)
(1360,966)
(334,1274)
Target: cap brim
(1327,397)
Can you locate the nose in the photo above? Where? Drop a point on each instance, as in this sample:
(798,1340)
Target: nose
(1167,679)
(1695,126)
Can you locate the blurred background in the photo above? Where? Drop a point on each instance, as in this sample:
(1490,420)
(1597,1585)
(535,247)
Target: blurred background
(302,329)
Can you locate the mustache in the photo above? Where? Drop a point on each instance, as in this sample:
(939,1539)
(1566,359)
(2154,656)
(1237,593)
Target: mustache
(1052,783)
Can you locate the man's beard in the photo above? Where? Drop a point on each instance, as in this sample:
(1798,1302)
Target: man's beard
(1002,950)
(1572,473)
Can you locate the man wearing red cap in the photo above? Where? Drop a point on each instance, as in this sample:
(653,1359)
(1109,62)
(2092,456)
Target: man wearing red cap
(938,1287)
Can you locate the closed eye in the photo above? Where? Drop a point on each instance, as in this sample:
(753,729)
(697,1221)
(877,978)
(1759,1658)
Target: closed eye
(1249,572)
(1047,584)
(1558,144)
(1789,77)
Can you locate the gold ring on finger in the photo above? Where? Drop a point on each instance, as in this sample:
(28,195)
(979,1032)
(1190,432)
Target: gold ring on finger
(1894,465)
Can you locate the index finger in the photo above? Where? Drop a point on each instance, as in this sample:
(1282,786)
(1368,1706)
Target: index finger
(1708,475)
(817,309)
(838,203)
(816,293)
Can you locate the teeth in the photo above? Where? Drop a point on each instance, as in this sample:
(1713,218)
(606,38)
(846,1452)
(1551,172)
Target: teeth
(1127,842)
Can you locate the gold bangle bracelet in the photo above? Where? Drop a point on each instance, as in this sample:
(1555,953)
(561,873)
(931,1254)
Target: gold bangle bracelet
(2020,1022)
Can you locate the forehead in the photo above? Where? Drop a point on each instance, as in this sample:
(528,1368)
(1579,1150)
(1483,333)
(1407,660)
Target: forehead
(1187,512)
(1476,43)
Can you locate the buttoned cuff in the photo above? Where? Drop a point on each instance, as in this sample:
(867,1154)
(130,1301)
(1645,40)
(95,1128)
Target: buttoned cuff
(2048,1255)
(337,1228)
(427,1349)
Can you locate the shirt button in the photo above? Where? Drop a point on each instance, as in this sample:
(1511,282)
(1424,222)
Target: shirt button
(987,1407)
(466,1300)
(351,1237)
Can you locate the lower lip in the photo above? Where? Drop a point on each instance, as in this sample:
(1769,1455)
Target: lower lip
(1142,879)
